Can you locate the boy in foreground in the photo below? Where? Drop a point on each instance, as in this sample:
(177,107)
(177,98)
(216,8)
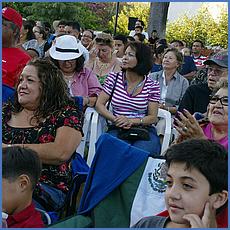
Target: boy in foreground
(197,183)
(21,168)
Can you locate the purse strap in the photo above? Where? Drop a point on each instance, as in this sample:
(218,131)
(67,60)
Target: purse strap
(111,95)
(110,98)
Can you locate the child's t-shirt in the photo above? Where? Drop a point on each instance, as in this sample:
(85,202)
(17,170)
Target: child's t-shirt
(27,218)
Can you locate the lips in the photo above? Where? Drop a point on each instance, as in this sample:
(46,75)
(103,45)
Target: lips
(217,112)
(174,206)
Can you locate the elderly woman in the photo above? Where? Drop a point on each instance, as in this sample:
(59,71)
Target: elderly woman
(67,54)
(215,128)
(102,60)
(44,119)
(134,98)
(172,84)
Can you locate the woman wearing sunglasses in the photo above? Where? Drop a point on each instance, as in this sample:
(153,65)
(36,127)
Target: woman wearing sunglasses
(102,60)
(216,127)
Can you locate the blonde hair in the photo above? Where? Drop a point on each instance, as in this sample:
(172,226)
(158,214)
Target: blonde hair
(104,39)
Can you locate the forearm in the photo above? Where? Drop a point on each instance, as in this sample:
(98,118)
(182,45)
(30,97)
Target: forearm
(89,101)
(102,110)
(147,120)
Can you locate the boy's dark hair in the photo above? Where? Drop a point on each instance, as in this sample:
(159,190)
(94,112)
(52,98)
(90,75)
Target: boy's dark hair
(178,41)
(202,44)
(207,156)
(121,37)
(62,22)
(142,23)
(144,58)
(17,161)
(75,25)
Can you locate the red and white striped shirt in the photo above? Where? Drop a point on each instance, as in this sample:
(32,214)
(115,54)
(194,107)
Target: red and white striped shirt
(199,61)
(127,105)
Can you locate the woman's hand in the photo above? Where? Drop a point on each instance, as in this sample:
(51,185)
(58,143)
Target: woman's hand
(208,220)
(188,127)
(122,122)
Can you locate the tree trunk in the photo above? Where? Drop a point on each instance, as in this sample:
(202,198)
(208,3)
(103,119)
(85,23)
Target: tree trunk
(158,18)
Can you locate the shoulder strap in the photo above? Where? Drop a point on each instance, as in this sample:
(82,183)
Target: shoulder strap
(110,98)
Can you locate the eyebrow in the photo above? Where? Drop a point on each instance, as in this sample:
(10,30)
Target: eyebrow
(184,178)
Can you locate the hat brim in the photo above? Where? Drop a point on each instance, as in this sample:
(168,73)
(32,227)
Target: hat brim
(216,62)
(63,56)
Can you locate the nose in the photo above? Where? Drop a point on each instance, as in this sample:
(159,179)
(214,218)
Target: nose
(173,192)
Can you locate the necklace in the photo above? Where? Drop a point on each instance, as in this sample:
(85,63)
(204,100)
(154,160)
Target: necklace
(102,67)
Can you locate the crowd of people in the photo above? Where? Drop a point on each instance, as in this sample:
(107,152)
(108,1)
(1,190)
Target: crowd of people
(126,78)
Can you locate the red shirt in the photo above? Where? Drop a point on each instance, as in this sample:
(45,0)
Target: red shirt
(221,218)
(13,61)
(27,218)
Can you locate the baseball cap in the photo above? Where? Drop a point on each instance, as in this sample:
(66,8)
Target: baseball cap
(220,58)
(12,15)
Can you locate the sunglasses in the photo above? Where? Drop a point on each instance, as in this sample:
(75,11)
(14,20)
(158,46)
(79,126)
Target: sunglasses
(101,40)
(215,99)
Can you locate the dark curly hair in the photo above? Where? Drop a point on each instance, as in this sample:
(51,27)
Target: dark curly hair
(54,90)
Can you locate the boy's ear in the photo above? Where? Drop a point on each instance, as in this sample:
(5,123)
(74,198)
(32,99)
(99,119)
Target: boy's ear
(23,182)
(219,199)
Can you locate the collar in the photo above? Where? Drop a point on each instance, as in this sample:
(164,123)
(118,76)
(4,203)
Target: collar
(20,216)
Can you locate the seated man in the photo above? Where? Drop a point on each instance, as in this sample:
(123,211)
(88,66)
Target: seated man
(197,186)
(21,168)
(196,97)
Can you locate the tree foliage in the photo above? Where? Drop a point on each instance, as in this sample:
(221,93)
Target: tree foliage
(137,9)
(201,26)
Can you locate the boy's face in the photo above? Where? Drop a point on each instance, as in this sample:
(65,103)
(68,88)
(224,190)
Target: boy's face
(10,195)
(187,192)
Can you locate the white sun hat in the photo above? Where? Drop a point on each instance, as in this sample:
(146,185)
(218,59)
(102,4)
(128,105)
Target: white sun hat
(66,47)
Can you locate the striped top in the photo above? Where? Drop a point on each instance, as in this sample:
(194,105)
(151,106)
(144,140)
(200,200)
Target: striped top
(127,105)
(199,61)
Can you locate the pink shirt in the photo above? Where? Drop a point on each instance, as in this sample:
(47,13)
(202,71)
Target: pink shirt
(207,129)
(85,83)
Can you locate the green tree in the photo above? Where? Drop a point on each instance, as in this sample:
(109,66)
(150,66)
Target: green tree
(201,26)
(137,9)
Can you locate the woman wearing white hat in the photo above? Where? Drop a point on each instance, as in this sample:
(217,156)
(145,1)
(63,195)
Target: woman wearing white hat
(67,54)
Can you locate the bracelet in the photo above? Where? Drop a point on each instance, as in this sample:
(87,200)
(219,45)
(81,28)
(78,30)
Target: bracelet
(141,121)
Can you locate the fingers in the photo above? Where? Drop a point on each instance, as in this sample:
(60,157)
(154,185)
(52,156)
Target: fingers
(194,220)
(122,121)
(209,217)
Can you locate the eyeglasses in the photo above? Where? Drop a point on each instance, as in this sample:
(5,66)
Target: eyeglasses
(223,100)
(217,71)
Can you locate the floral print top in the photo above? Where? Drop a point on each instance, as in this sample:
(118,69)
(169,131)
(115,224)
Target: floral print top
(58,176)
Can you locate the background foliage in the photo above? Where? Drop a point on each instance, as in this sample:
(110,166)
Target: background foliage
(101,16)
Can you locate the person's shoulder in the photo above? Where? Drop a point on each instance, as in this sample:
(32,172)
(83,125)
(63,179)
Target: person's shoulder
(151,222)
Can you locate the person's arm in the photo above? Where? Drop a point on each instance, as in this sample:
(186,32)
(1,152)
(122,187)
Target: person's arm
(150,118)
(102,99)
(187,101)
(55,153)
(190,75)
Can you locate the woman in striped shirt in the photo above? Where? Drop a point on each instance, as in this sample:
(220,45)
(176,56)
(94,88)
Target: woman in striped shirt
(135,97)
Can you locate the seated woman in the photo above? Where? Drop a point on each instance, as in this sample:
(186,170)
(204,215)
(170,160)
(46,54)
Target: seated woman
(215,127)
(81,81)
(134,98)
(44,119)
(102,61)
(172,84)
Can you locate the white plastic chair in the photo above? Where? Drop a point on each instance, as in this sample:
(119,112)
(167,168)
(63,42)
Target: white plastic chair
(168,128)
(98,124)
(86,128)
